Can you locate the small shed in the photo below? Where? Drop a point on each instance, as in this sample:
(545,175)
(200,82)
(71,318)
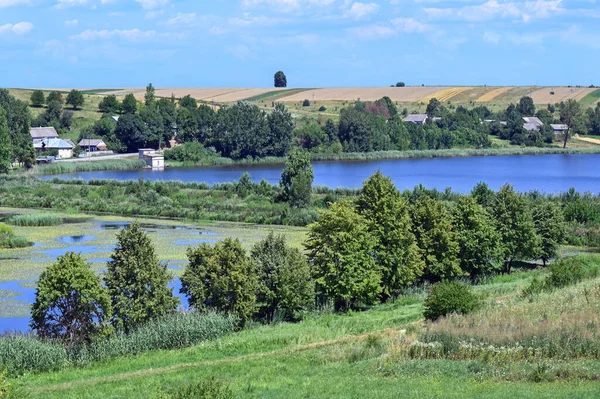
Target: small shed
(155,161)
(40,133)
(560,128)
(417,119)
(142,152)
(92,145)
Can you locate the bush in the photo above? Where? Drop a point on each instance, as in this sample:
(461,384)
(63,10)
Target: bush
(192,152)
(306,103)
(207,389)
(570,271)
(449,297)
(322,108)
(9,240)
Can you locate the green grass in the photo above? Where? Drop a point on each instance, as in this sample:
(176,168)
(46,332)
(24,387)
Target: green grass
(35,220)
(590,99)
(275,95)
(87,165)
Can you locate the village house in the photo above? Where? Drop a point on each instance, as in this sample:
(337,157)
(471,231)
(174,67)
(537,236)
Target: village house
(92,145)
(417,119)
(63,148)
(40,133)
(559,128)
(531,123)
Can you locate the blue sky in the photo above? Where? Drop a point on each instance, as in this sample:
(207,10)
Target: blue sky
(317,43)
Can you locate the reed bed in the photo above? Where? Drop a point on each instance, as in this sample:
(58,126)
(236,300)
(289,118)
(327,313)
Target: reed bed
(35,220)
(87,166)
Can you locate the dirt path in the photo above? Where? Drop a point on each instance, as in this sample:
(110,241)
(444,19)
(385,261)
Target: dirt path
(181,366)
(588,140)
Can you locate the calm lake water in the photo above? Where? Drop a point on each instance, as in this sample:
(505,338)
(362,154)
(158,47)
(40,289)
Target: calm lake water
(547,173)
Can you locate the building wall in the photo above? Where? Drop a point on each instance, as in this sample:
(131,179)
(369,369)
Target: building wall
(65,153)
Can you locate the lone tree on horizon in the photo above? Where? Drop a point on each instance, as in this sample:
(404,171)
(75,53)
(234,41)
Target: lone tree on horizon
(280,79)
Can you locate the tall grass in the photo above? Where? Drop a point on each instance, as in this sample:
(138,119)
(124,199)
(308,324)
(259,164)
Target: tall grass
(26,353)
(87,166)
(35,220)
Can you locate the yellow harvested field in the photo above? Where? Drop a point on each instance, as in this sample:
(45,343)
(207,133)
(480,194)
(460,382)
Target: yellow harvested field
(446,94)
(207,94)
(489,96)
(400,94)
(543,96)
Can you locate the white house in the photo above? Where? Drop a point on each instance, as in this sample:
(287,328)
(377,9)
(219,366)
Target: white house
(92,145)
(64,148)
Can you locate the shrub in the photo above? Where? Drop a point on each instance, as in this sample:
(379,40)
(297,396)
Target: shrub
(570,271)
(322,108)
(306,103)
(207,389)
(9,240)
(449,297)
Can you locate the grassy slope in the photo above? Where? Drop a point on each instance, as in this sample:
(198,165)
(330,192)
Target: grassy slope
(327,356)
(591,99)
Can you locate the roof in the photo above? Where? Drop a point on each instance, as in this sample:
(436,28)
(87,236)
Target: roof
(533,120)
(560,127)
(56,144)
(115,118)
(91,143)
(416,118)
(43,132)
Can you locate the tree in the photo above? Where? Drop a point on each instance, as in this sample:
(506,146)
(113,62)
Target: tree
(37,98)
(433,230)
(296,178)
(570,113)
(206,117)
(109,105)
(66,120)
(132,132)
(285,284)
(75,99)
(280,79)
(526,107)
(71,304)
(306,103)
(188,102)
(396,251)
(129,105)
(242,130)
(400,84)
(53,112)
(281,125)
(18,119)
(187,125)
(389,105)
(478,241)
(137,281)
(220,278)
(341,250)
(515,225)
(435,108)
(6,156)
(55,96)
(594,120)
(483,194)
(154,125)
(548,220)
(149,97)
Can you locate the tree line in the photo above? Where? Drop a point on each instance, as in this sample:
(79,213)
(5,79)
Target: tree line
(15,140)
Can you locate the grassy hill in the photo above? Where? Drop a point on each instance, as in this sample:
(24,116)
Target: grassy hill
(384,352)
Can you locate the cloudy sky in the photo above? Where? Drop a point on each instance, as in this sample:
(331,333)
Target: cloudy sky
(317,43)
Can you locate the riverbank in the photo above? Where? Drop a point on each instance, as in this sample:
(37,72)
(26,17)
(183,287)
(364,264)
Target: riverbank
(87,166)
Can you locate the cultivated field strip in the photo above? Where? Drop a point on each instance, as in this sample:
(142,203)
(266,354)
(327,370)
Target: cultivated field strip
(490,95)
(543,96)
(446,94)
(400,94)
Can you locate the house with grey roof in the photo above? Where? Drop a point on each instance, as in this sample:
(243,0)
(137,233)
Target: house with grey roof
(64,148)
(92,145)
(417,119)
(559,128)
(39,133)
(531,123)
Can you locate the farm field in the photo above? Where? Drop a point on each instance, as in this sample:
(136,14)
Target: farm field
(400,94)
(544,96)
(492,94)
(362,354)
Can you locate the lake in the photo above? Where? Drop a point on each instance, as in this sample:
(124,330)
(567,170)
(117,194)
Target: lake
(548,173)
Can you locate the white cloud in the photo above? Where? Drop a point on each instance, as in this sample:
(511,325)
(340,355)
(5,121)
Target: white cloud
(126,34)
(9,3)
(150,4)
(288,5)
(70,3)
(72,22)
(182,19)
(261,20)
(240,51)
(361,10)
(20,28)
(409,25)
(491,37)
(371,32)
(494,9)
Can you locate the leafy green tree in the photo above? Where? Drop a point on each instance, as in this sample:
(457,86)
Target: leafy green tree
(515,226)
(570,115)
(242,131)
(389,104)
(549,224)
(341,251)
(129,105)
(281,125)
(594,120)
(137,281)
(432,227)
(66,120)
(285,283)
(150,96)
(188,102)
(38,98)
(483,194)
(53,112)
(449,297)
(206,118)
(479,243)
(154,125)
(220,278)
(396,251)
(435,108)
(400,84)
(6,156)
(18,119)
(109,105)
(70,302)
(75,99)
(311,135)
(280,79)
(55,96)
(168,113)
(187,125)
(132,132)
(296,178)
(526,107)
